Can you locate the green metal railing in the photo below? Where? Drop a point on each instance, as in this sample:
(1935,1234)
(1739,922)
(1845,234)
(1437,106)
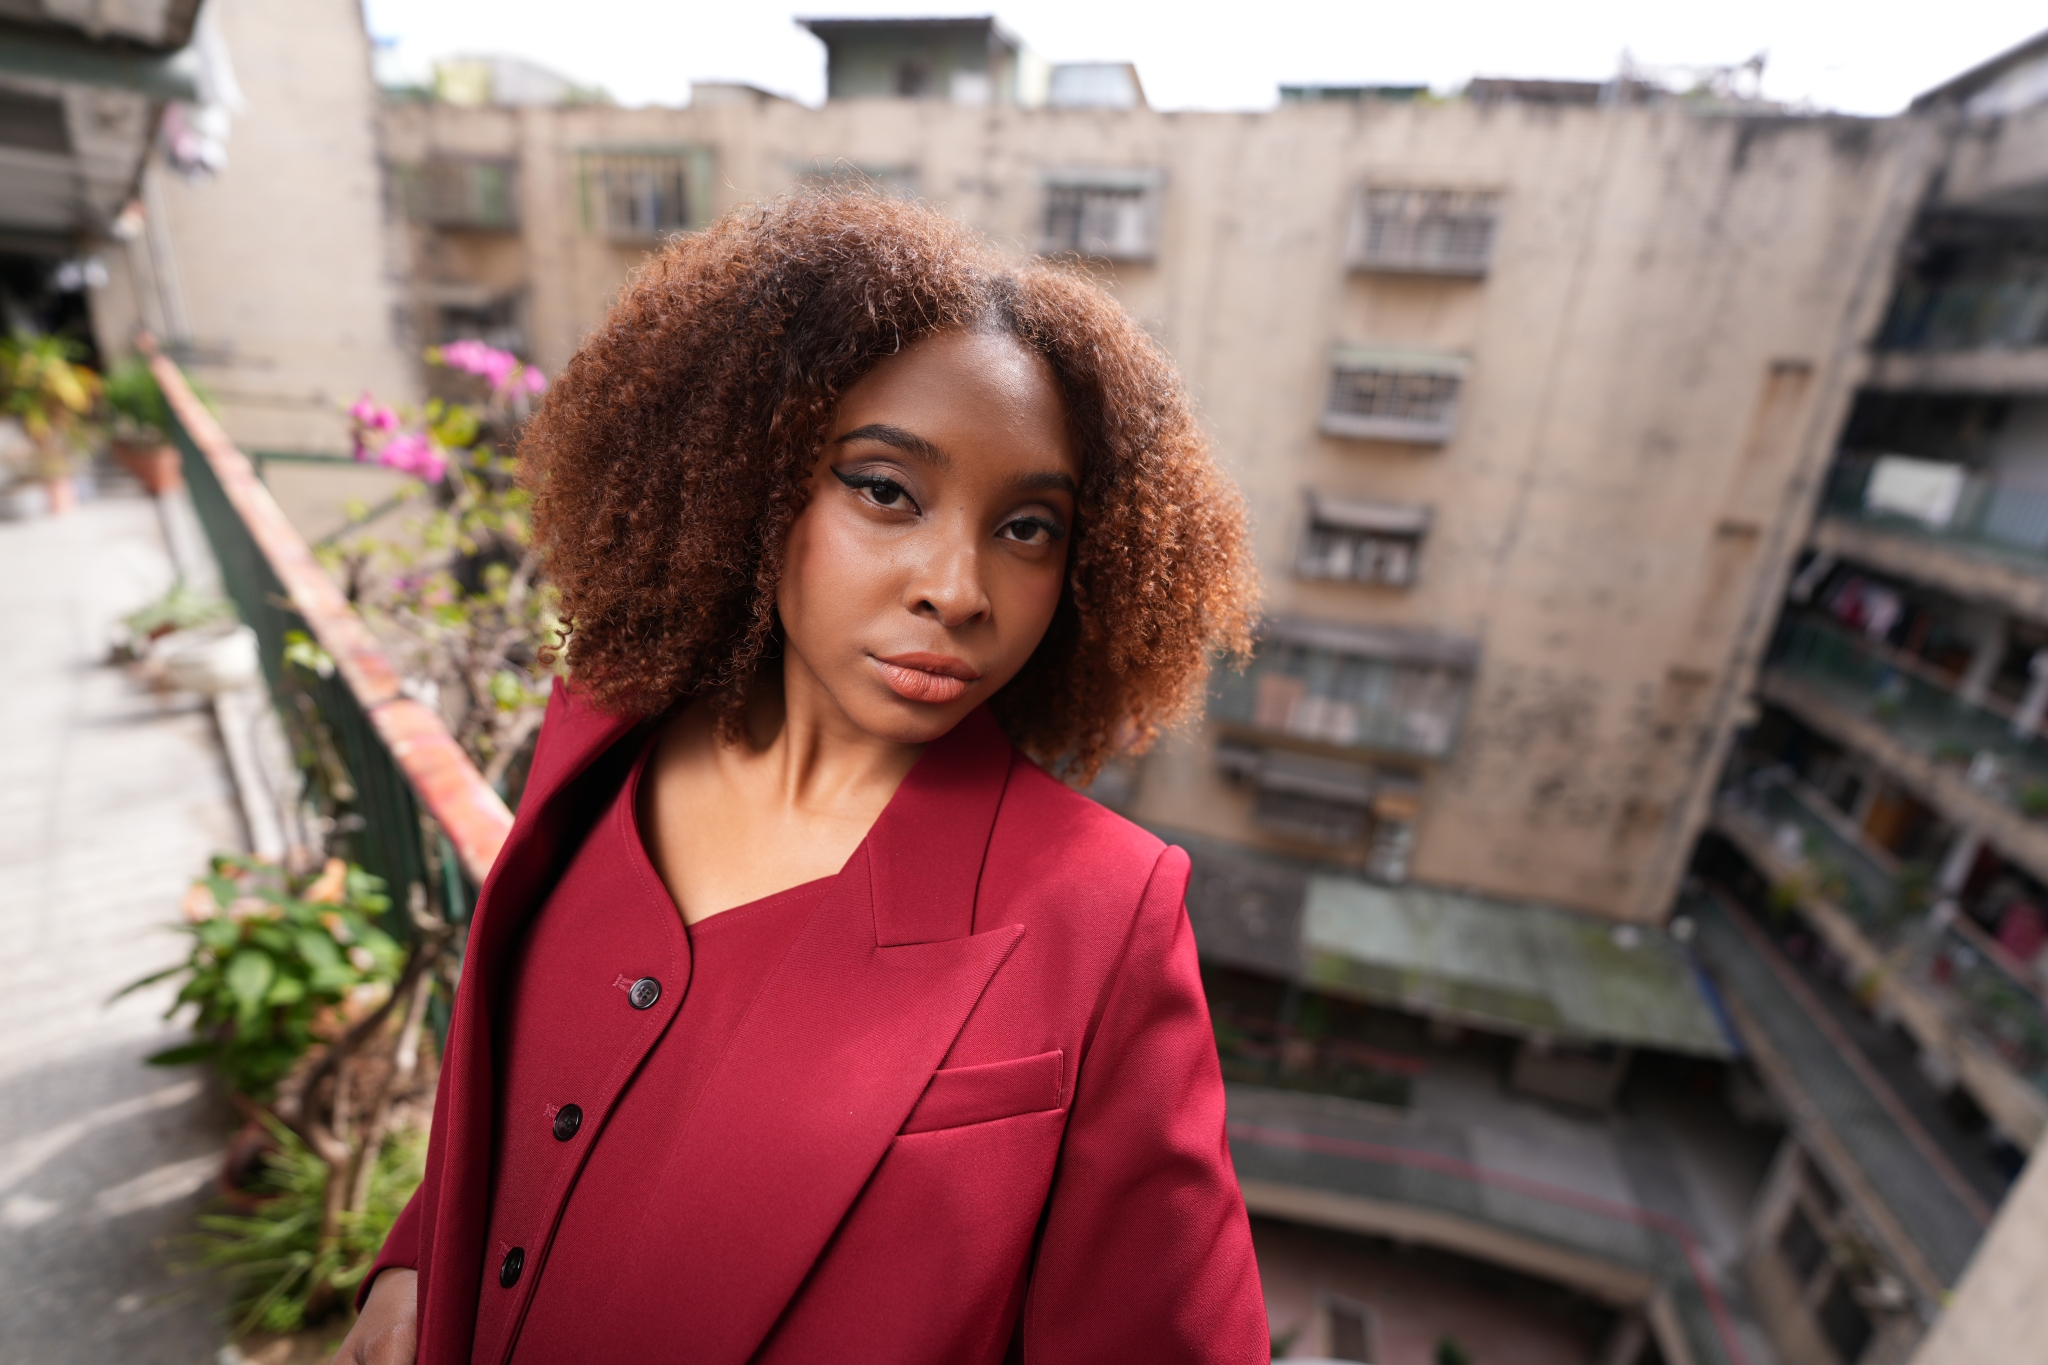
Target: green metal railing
(1851,876)
(1656,1247)
(2009,522)
(400,797)
(1863,680)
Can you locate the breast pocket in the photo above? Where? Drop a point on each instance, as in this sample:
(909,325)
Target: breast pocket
(960,1095)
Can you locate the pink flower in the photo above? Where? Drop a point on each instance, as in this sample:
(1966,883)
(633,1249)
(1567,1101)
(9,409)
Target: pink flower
(411,452)
(369,413)
(507,375)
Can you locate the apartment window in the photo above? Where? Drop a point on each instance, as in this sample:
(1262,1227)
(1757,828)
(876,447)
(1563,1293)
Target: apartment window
(1351,687)
(1390,395)
(461,192)
(1110,215)
(1333,802)
(645,195)
(1353,540)
(1422,231)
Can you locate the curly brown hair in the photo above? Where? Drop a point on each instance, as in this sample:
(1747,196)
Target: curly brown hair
(670,457)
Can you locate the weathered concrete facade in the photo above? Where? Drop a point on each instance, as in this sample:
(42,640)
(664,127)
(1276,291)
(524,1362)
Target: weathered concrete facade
(276,281)
(1650,362)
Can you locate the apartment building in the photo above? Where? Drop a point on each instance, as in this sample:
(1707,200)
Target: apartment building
(1873,888)
(1532,394)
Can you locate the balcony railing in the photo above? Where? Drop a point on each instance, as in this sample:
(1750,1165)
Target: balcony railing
(1944,954)
(1918,714)
(1856,878)
(404,799)
(1976,512)
(1285,1168)
(1345,695)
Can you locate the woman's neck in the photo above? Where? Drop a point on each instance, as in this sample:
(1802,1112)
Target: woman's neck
(787,801)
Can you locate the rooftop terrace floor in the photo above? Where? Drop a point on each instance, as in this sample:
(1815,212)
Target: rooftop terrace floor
(111,799)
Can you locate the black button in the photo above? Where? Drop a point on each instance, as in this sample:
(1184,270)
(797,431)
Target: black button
(644,993)
(515,1261)
(567,1122)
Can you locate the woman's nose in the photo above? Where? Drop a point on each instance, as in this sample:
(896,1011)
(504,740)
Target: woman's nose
(949,588)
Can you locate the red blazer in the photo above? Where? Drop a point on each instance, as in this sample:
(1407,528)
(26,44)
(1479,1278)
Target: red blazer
(975,1115)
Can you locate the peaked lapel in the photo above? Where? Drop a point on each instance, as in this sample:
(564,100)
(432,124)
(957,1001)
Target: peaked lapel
(827,1064)
(457,1199)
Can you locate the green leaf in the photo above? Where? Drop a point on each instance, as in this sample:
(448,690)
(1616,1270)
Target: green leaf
(319,950)
(249,976)
(286,990)
(183,1055)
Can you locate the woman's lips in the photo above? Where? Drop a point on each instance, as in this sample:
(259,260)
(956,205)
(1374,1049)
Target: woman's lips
(933,678)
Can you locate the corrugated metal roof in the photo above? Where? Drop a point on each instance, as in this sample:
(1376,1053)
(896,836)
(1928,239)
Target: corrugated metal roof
(1519,966)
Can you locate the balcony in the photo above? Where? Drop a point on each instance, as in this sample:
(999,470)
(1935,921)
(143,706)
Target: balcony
(1826,855)
(1355,690)
(1393,395)
(1422,231)
(1944,504)
(1984,761)
(1927,1215)
(1962,997)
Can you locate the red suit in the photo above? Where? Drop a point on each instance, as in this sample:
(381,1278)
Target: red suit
(973,1114)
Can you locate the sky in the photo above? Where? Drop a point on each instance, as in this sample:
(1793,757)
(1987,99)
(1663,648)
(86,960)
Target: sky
(1870,57)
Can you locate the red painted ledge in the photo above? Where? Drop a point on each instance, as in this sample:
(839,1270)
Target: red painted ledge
(474,817)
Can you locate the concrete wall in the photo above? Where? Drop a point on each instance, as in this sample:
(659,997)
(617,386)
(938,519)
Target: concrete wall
(1660,355)
(1998,1305)
(278,280)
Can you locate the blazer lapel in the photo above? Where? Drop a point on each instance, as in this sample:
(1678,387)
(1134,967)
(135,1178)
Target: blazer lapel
(828,1063)
(572,737)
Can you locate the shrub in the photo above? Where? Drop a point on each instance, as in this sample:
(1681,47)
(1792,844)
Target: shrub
(277,964)
(285,1274)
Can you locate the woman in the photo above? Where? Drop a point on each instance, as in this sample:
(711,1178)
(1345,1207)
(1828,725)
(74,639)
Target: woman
(804,1017)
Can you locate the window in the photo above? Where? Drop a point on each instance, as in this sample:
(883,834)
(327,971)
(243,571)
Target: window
(1111,215)
(1393,395)
(1422,232)
(461,192)
(646,195)
(1356,541)
(1351,687)
(1330,801)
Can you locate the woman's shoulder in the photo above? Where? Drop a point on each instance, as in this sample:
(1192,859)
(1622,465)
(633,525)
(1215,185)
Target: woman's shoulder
(1068,840)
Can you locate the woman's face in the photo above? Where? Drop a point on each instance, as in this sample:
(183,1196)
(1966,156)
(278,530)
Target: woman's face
(927,564)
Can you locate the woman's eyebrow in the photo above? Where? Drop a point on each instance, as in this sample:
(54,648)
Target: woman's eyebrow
(1053,480)
(909,442)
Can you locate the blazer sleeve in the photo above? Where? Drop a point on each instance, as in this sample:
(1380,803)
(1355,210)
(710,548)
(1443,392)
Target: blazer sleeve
(401,1250)
(1146,1252)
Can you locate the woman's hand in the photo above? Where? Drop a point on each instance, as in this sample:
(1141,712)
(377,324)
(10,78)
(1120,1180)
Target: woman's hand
(388,1332)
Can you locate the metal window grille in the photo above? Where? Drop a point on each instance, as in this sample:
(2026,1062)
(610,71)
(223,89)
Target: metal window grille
(1349,555)
(461,192)
(1436,232)
(1110,222)
(1394,395)
(1353,701)
(643,197)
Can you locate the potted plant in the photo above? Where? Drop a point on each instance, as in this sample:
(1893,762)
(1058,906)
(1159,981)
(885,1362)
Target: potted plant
(44,388)
(139,435)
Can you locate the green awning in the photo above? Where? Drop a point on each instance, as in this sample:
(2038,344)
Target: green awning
(70,58)
(1512,966)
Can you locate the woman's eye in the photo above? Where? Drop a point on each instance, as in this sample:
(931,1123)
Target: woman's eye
(1031,531)
(882,492)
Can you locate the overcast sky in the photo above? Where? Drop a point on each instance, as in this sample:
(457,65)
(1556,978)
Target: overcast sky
(1868,57)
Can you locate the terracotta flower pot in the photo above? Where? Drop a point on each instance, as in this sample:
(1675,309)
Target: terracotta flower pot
(154,463)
